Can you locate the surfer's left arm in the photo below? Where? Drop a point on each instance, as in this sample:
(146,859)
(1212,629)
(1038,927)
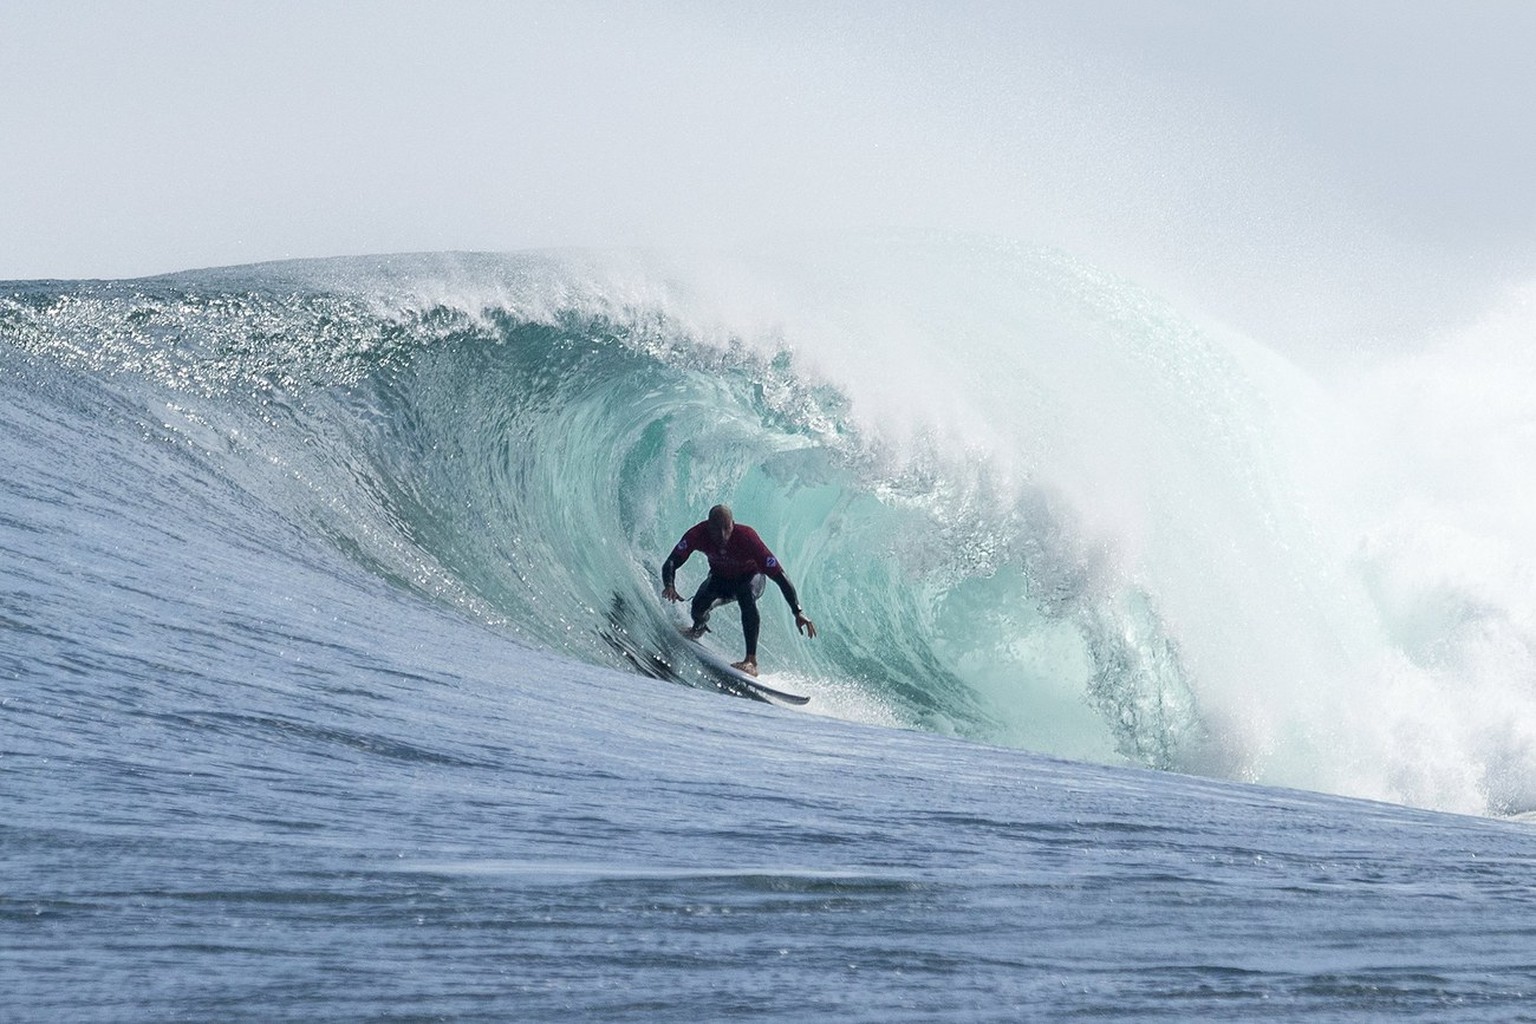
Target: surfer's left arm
(787,588)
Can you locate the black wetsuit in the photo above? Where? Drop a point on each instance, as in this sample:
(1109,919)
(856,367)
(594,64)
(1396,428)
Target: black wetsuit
(733,569)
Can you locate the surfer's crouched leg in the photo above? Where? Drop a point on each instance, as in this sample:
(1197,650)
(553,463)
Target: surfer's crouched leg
(751,623)
(707,597)
(717,591)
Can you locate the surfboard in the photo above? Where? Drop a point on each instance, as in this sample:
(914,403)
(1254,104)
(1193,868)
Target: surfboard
(751,685)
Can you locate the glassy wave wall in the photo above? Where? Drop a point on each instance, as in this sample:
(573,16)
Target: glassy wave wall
(1026,503)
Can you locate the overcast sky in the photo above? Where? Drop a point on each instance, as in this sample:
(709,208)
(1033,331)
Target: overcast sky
(1296,154)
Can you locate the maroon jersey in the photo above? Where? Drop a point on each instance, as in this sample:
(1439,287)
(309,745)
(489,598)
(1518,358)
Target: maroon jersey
(743,555)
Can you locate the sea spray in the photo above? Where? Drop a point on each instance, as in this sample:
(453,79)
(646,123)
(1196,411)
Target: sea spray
(1029,503)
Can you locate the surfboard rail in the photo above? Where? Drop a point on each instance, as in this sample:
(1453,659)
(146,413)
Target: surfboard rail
(754,687)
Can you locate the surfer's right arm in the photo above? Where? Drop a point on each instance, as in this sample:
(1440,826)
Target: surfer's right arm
(678,556)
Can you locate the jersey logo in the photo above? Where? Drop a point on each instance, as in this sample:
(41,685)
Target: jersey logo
(682,545)
(773,563)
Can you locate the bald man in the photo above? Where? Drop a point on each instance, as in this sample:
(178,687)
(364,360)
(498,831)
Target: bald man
(738,563)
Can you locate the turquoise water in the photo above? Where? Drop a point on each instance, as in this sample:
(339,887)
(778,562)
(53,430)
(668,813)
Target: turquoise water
(335,685)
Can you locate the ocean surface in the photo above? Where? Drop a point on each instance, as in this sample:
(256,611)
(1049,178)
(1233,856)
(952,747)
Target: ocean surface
(1157,679)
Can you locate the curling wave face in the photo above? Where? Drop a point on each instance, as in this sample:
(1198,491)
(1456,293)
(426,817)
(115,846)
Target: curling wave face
(1041,510)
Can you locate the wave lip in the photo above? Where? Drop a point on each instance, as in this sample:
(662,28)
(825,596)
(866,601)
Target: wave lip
(1029,503)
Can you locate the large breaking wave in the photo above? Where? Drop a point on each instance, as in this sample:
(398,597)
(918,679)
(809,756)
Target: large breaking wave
(1026,502)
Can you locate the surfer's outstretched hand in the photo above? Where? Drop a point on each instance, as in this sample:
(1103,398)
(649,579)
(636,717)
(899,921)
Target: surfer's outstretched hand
(805,625)
(671,594)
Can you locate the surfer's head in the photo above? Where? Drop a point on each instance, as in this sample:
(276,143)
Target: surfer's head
(721,523)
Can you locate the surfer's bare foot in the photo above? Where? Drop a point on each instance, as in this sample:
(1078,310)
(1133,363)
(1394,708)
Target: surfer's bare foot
(749,666)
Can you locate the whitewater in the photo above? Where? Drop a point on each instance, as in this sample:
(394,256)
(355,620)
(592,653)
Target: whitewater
(1158,678)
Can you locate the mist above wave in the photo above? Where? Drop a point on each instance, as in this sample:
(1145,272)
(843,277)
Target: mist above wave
(1034,503)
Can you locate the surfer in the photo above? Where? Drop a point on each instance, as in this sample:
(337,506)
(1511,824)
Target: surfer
(738,563)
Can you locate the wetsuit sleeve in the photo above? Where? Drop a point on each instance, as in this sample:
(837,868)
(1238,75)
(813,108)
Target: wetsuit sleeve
(788,589)
(776,572)
(678,556)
